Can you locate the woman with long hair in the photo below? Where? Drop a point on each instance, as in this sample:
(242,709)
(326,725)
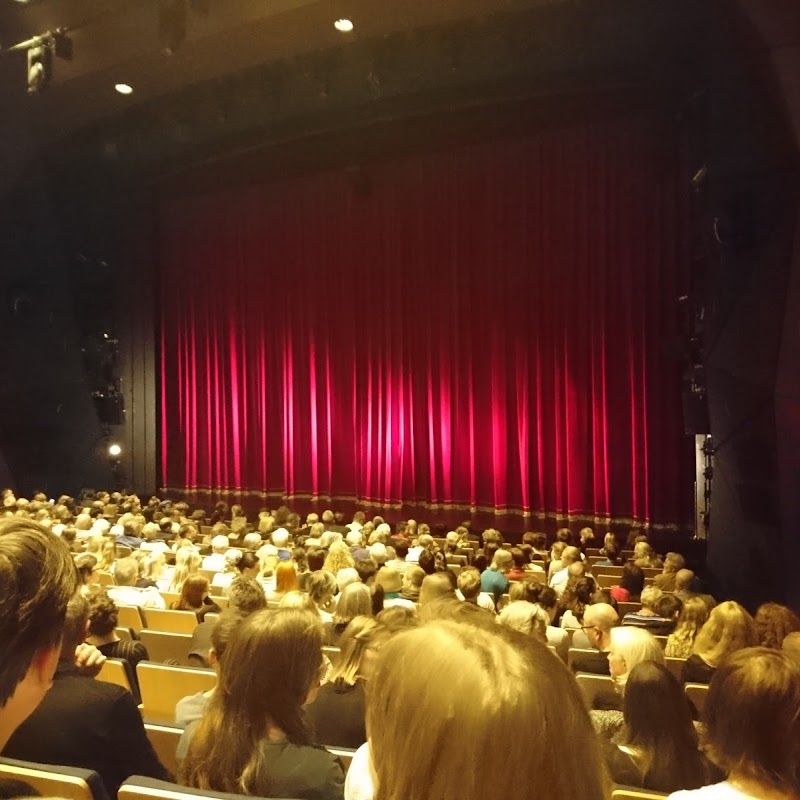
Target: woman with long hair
(658,746)
(108,556)
(321,589)
(285,581)
(729,628)
(577,596)
(354,601)
(253,738)
(194,597)
(692,617)
(187,563)
(428,740)
(337,714)
(752,721)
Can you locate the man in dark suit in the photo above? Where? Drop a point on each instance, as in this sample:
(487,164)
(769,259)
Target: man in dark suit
(598,620)
(86,723)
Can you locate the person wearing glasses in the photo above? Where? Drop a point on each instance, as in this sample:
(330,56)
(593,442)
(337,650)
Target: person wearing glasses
(598,621)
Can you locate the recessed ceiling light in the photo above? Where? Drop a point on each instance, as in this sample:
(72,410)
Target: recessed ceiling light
(123,88)
(343,25)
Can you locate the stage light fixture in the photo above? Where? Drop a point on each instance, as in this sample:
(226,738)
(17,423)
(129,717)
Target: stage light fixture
(343,25)
(114,450)
(123,88)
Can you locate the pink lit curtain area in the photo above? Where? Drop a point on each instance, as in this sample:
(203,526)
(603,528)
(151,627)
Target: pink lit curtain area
(476,330)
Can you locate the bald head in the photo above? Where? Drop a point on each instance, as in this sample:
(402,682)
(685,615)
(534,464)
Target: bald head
(600,615)
(683,580)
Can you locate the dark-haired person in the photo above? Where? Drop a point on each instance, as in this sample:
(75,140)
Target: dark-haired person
(658,747)
(774,623)
(752,720)
(37,579)
(630,584)
(86,723)
(253,737)
(103,618)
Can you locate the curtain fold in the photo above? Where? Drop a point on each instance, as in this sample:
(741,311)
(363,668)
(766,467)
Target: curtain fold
(479,329)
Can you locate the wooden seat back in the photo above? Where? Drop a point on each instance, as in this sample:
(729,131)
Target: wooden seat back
(161,687)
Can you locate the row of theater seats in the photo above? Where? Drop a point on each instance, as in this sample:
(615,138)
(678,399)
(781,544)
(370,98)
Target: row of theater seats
(81,784)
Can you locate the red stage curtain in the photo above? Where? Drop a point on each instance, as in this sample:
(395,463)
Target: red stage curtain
(479,328)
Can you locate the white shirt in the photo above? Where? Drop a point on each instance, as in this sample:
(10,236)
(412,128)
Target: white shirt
(359,784)
(717,791)
(559,581)
(156,546)
(131,596)
(484,600)
(216,562)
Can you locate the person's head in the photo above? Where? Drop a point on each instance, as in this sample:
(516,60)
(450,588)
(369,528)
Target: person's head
(219,544)
(469,584)
(773,623)
(280,538)
(791,646)
(598,621)
(564,535)
(729,628)
(354,601)
(605,596)
(632,579)
(246,595)
(271,667)
(519,558)
(315,558)
(668,606)
(193,591)
(390,580)
(366,568)
(683,580)
(297,600)
(631,646)
(571,555)
(642,550)
(353,645)
(338,557)
(673,562)
(416,714)
(427,562)
(87,567)
(502,561)
(76,625)
(692,617)
(103,615)
(221,633)
(126,572)
(412,580)
(247,566)
(752,718)
(658,726)
(285,577)
(378,553)
(437,586)
(526,618)
(321,587)
(650,596)
(578,596)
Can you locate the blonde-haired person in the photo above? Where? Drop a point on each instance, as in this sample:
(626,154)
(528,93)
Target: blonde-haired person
(645,557)
(424,730)
(253,738)
(729,628)
(752,727)
(108,557)
(338,558)
(693,616)
(187,563)
(494,580)
(469,589)
(321,588)
(354,601)
(338,711)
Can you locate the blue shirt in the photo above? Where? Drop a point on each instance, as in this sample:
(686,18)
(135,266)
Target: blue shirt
(495,583)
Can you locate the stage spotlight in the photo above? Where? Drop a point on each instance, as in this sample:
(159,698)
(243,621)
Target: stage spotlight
(343,25)
(114,450)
